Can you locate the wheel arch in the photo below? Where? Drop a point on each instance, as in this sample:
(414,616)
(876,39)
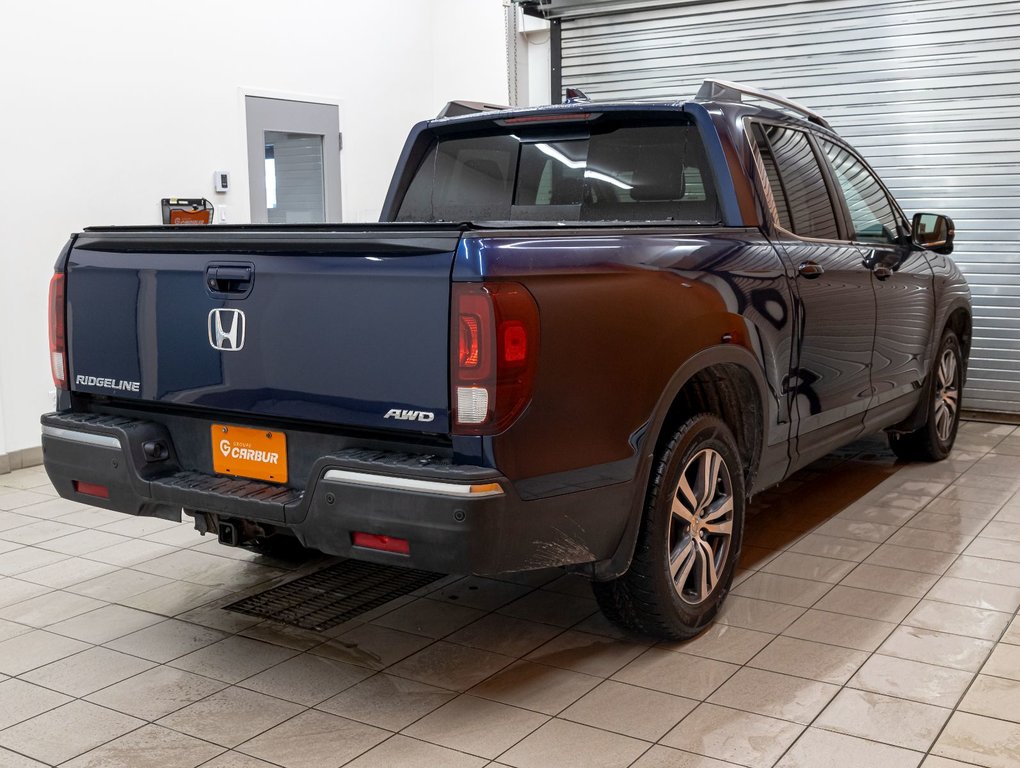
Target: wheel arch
(726,381)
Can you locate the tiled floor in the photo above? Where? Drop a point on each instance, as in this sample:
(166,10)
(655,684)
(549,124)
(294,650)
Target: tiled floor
(872,624)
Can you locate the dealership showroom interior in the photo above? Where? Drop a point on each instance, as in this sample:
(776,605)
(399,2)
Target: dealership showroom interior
(525,383)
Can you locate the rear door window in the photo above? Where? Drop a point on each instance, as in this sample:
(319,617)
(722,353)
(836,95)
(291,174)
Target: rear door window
(795,178)
(615,173)
(871,212)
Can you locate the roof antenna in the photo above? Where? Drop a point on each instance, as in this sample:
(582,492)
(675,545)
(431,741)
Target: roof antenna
(574,95)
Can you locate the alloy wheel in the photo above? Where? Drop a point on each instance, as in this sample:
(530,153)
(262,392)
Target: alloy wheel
(947,394)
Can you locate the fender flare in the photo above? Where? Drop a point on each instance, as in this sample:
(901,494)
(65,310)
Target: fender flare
(605,570)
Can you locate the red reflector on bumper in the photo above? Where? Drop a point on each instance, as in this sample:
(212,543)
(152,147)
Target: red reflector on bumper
(91,489)
(385,543)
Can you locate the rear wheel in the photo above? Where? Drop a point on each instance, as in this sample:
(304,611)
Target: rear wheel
(934,439)
(689,539)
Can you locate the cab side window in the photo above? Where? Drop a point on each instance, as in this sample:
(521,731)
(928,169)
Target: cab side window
(795,178)
(870,210)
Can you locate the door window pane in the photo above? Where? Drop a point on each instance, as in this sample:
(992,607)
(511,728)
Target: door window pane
(800,177)
(870,210)
(294,178)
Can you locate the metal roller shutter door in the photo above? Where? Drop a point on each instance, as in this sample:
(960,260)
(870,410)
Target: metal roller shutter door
(927,90)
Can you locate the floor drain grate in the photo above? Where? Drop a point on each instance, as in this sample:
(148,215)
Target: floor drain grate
(335,594)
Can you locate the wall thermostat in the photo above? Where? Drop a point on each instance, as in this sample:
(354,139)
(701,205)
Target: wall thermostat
(221,181)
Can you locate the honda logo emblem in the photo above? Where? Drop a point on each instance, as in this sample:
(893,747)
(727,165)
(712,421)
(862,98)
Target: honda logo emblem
(226,329)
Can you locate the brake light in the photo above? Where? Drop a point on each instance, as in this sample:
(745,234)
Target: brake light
(495,333)
(58,351)
(380,542)
(91,489)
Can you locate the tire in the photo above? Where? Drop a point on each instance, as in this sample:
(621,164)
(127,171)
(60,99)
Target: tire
(689,541)
(934,439)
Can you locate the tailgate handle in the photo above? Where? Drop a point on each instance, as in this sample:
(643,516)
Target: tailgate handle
(229,278)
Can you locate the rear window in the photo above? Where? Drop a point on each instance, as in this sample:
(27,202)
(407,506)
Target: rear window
(619,173)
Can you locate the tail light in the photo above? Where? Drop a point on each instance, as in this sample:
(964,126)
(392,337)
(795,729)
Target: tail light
(58,349)
(494,346)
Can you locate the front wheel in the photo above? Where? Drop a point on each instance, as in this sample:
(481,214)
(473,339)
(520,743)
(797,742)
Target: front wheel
(689,540)
(934,439)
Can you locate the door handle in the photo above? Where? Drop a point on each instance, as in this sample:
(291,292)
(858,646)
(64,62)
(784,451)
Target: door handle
(230,279)
(882,272)
(810,270)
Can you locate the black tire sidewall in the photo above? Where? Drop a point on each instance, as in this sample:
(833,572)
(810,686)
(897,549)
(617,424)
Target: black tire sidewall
(696,434)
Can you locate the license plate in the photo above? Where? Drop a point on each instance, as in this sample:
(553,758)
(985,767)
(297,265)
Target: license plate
(259,454)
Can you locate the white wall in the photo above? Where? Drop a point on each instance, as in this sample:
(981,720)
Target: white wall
(110,105)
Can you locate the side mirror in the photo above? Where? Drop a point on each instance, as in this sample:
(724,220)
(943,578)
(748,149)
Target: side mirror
(933,232)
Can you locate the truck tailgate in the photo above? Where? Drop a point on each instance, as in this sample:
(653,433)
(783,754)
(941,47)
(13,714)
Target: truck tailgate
(347,325)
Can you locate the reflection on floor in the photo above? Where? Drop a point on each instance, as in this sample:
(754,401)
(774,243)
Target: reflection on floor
(872,623)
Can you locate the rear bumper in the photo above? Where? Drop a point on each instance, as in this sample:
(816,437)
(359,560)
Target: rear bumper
(456,518)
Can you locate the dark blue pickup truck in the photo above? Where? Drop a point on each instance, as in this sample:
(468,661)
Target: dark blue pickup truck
(581,336)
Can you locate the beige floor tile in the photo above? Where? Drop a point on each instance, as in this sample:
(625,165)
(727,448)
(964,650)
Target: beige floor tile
(537,687)
(138,526)
(677,673)
(307,679)
(912,559)
(49,608)
(991,496)
(551,608)
(231,716)
(894,580)
(992,597)
(892,516)
(906,495)
(314,739)
(759,615)
(372,646)
(504,634)
(412,753)
(209,570)
(803,658)
(388,702)
(214,616)
(993,697)
(11,520)
(980,740)
(932,761)
(946,522)
(22,498)
(925,645)
(38,531)
(87,672)
(149,747)
(902,723)
(92,517)
(16,590)
(838,629)
(455,667)
(233,659)
(629,710)
(866,604)
(66,573)
(812,567)
(105,624)
(782,589)
(130,552)
(666,757)
(739,737)
(9,629)
(856,529)
(35,649)
(817,747)
(1004,662)
(22,701)
(906,679)
(476,726)
(429,618)
(156,693)
(81,726)
(1012,634)
(174,598)
(119,585)
(993,549)
(753,558)
(958,620)
(82,542)
(983,569)
(10,759)
(571,745)
(26,559)
(1005,530)
(937,541)
(775,695)
(582,652)
(486,594)
(168,640)
(833,546)
(722,642)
